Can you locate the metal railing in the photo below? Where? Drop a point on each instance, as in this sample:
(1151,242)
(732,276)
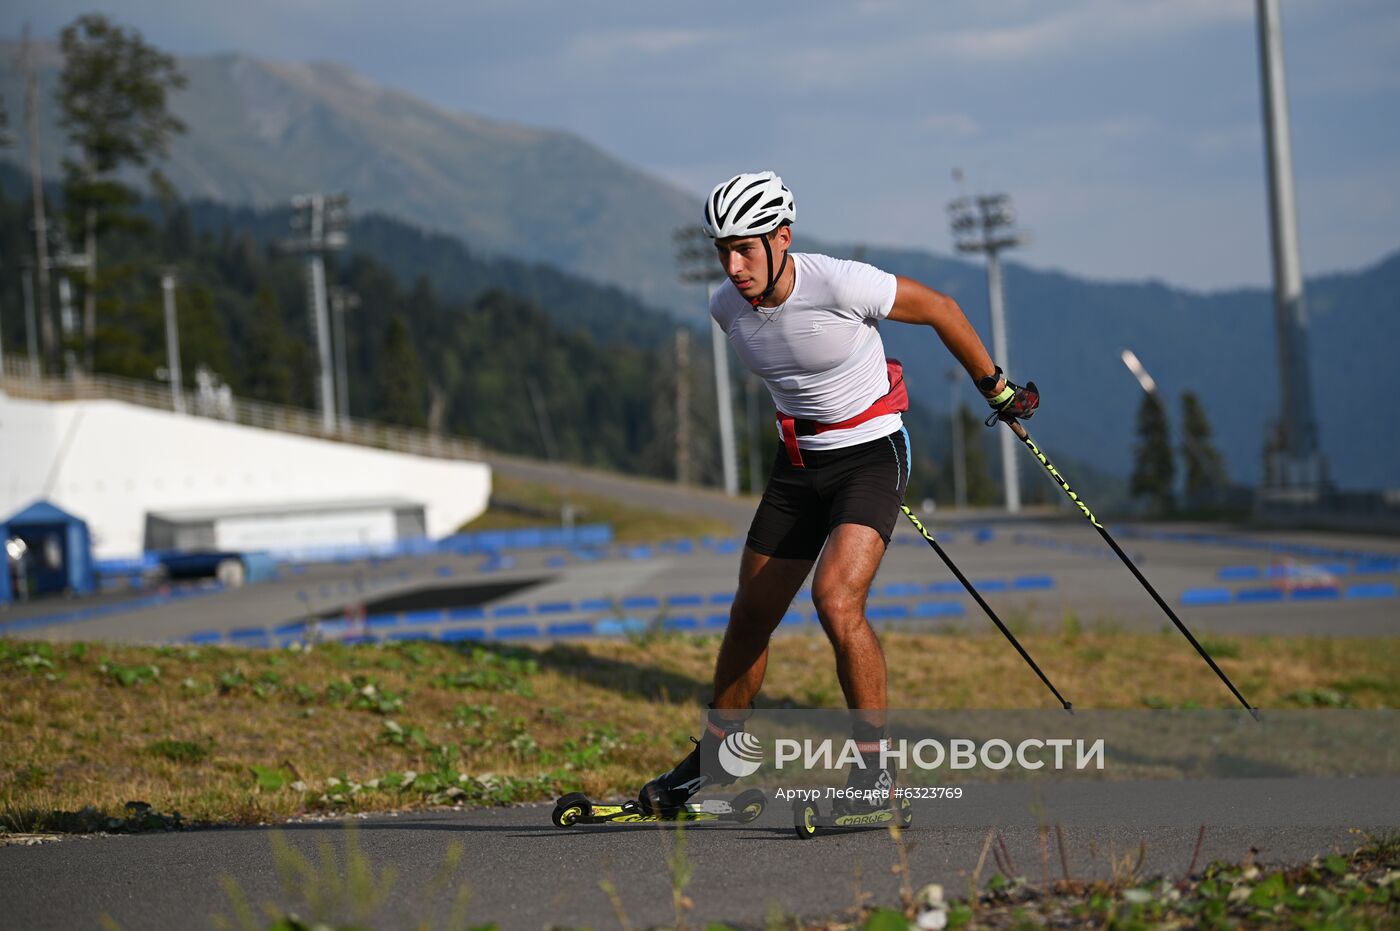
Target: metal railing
(20,381)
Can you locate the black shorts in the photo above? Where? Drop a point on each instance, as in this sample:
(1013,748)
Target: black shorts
(861,484)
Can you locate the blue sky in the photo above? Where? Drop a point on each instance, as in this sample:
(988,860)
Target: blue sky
(1127,132)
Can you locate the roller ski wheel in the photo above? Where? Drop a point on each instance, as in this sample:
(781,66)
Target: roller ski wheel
(570,808)
(807,818)
(576,808)
(905,813)
(804,820)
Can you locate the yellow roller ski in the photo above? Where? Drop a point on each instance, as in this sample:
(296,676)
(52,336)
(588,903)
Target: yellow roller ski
(576,808)
(807,818)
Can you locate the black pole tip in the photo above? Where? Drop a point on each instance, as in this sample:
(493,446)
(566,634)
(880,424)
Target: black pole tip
(1069,707)
(1254,712)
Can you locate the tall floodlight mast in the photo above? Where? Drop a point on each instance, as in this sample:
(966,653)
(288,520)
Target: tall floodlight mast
(1294,459)
(319,223)
(986,224)
(172,342)
(342,301)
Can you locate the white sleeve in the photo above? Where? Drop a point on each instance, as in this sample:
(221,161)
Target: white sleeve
(722,307)
(865,289)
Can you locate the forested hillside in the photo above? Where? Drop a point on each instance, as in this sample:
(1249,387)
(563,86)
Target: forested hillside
(459,347)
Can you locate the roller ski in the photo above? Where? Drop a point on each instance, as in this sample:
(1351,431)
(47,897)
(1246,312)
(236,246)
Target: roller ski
(869,800)
(808,819)
(671,796)
(576,808)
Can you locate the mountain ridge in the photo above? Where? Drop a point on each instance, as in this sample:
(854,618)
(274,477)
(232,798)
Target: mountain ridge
(260,132)
(266,130)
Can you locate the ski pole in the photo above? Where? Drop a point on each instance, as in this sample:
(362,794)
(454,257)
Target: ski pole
(1025,437)
(919,526)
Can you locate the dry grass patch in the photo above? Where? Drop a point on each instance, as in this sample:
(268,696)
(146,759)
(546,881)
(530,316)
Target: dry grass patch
(245,735)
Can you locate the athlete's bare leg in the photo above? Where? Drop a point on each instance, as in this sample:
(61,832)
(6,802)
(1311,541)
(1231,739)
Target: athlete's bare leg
(767,586)
(847,567)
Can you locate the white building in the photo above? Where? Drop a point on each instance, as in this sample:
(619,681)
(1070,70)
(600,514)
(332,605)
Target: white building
(113,463)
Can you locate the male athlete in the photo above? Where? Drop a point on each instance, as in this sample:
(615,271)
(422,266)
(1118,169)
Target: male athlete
(808,325)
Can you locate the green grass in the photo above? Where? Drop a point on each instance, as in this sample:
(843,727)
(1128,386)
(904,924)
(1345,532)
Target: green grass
(232,735)
(181,751)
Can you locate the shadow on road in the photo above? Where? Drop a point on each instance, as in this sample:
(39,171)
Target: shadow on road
(635,680)
(516,830)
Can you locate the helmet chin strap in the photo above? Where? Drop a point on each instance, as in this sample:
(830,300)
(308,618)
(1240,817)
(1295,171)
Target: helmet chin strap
(772,279)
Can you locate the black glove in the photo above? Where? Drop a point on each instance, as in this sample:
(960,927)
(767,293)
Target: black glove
(1011,401)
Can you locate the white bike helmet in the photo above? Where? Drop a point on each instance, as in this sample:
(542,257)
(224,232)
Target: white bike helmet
(748,205)
(751,205)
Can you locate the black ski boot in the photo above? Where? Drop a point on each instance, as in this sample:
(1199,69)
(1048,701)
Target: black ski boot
(669,792)
(870,797)
(869,787)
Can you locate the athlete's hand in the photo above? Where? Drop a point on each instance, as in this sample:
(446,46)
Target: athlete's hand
(1013,402)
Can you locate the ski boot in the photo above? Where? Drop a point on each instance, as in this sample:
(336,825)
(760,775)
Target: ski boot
(671,791)
(869,800)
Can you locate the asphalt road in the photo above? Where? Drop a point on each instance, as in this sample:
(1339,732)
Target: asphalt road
(523,872)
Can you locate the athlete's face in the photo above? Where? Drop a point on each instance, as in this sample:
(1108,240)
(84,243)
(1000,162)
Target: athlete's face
(746,263)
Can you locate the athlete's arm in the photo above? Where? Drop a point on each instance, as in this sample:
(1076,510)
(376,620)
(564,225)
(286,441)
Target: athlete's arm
(918,303)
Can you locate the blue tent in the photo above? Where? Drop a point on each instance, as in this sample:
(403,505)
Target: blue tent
(58,551)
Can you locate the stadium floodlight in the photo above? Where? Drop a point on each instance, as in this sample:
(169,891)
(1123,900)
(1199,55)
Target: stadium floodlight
(319,223)
(172,341)
(986,223)
(342,300)
(1294,459)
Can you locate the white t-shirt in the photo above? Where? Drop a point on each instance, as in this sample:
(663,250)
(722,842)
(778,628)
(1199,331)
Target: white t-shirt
(819,351)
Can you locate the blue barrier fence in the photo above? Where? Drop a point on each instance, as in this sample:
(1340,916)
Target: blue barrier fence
(621,617)
(1205,597)
(1307,570)
(589,542)
(1308,550)
(491,543)
(385,628)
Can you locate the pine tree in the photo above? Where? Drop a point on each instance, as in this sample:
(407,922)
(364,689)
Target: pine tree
(112,99)
(1205,469)
(268,375)
(1153,466)
(403,393)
